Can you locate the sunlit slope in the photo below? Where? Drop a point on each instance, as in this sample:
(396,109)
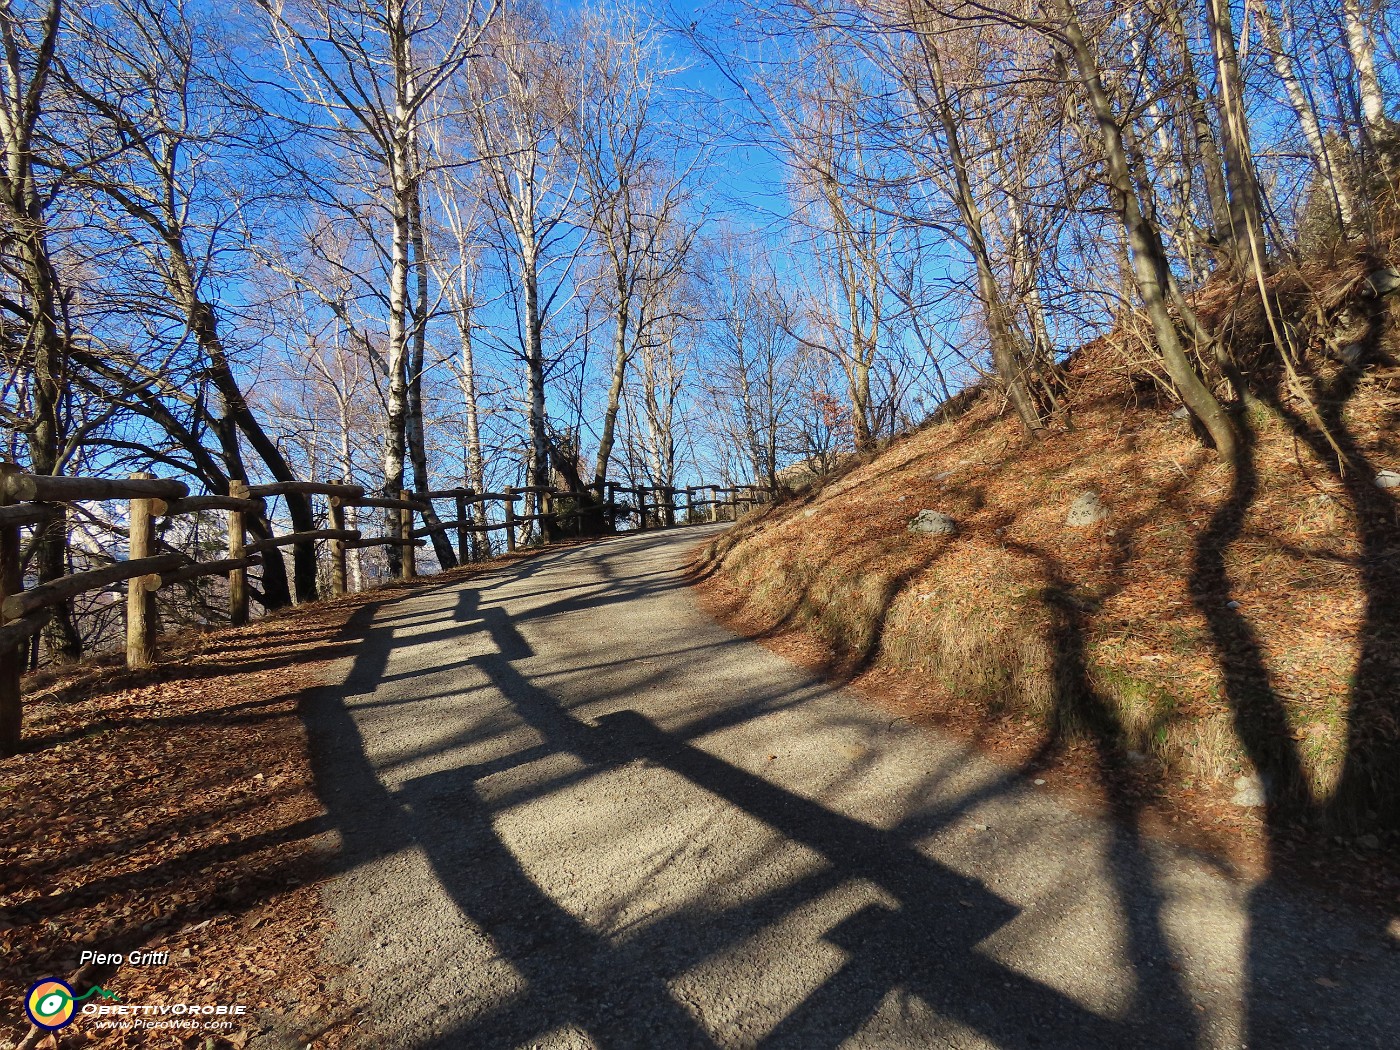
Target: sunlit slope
(1126,628)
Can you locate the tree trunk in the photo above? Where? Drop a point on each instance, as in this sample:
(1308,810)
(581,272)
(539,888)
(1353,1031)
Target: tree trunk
(537,464)
(47,346)
(1147,256)
(417,439)
(204,326)
(1007,353)
(1329,170)
(1203,133)
(45,351)
(396,403)
(615,383)
(475,463)
(1363,57)
(1247,248)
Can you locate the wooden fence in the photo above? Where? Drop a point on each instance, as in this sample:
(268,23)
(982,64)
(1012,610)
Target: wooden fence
(28,500)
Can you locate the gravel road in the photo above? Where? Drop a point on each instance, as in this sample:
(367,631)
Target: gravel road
(573,811)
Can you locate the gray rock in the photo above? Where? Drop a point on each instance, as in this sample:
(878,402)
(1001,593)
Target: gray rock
(1385,281)
(1182,413)
(933,523)
(1250,792)
(1388,479)
(1352,353)
(1087,509)
(1368,842)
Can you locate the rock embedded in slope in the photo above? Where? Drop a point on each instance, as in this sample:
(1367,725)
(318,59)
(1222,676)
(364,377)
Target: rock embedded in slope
(1383,282)
(933,523)
(1250,792)
(1388,479)
(1088,508)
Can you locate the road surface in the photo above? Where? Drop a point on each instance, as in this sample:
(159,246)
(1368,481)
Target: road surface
(573,811)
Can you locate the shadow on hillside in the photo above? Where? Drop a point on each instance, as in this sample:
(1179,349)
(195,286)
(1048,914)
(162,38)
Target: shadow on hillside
(919,940)
(1299,821)
(1368,791)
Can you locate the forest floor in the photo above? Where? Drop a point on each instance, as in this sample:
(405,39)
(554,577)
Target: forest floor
(174,810)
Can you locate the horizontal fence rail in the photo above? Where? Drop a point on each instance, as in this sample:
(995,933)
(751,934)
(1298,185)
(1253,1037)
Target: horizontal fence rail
(33,501)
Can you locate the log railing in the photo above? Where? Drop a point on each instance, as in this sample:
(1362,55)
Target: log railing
(29,501)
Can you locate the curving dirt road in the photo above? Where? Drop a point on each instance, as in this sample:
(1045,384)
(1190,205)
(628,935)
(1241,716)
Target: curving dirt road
(573,811)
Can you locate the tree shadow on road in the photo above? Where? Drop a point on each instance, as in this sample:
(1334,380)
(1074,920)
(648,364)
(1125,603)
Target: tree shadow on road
(922,935)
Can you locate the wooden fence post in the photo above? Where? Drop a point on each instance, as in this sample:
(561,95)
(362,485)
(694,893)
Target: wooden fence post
(238,578)
(337,508)
(11,656)
(140,596)
(409,561)
(714,502)
(547,515)
(670,506)
(689,504)
(641,494)
(510,517)
(610,498)
(463,532)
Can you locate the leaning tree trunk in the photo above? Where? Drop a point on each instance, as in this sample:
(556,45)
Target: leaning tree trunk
(1203,134)
(1328,164)
(1247,248)
(204,325)
(616,380)
(1147,255)
(276,589)
(1363,59)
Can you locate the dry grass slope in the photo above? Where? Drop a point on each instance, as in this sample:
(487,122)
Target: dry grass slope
(1157,636)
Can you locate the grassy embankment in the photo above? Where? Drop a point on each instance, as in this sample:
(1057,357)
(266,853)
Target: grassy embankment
(1219,623)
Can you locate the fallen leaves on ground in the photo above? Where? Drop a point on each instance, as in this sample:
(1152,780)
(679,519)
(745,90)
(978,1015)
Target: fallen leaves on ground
(174,810)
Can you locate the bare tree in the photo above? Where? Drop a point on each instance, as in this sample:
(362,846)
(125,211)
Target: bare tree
(1151,267)
(458,273)
(165,207)
(1330,166)
(633,185)
(752,380)
(373,70)
(517,108)
(30,42)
